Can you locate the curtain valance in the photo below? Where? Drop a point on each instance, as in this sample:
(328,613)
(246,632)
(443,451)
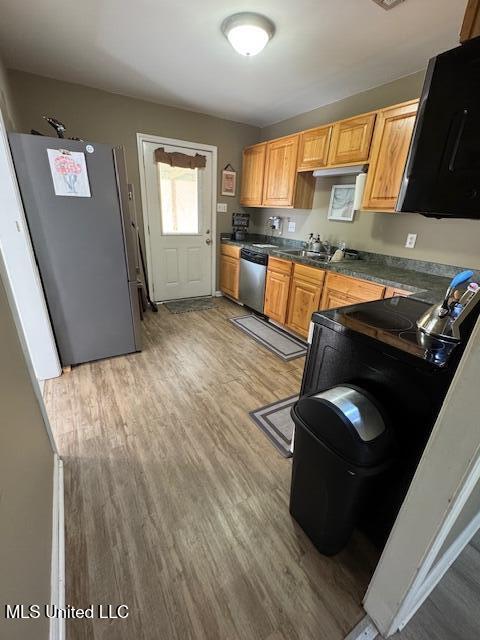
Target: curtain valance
(176,159)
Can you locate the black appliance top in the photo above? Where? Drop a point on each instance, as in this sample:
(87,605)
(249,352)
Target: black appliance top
(392,322)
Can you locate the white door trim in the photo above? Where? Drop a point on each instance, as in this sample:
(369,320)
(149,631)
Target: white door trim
(57,625)
(145,137)
(414,559)
(22,272)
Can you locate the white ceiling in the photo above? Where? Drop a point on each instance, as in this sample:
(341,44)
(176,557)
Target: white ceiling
(173,52)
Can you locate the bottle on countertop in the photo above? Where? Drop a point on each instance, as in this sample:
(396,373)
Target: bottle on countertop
(339,253)
(317,244)
(310,242)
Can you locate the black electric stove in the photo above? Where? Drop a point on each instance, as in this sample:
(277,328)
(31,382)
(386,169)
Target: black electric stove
(393,322)
(376,346)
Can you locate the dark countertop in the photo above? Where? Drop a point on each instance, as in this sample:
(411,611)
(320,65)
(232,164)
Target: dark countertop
(424,286)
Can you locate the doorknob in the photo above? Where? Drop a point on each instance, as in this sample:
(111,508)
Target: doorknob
(208,241)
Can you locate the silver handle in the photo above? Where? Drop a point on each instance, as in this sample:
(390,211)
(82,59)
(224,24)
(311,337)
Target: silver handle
(208,241)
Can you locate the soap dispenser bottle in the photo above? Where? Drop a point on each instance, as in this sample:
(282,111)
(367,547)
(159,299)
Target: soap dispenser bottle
(317,244)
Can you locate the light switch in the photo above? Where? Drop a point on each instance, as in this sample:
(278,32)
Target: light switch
(291,226)
(221,207)
(411,240)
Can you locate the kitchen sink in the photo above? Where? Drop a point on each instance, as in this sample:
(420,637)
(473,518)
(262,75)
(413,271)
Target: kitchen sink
(303,253)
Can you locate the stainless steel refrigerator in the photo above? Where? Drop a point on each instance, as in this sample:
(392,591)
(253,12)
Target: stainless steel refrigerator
(75,197)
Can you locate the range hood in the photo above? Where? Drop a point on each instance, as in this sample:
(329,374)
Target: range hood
(358,173)
(442,174)
(341,171)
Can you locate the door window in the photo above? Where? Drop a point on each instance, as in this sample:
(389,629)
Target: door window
(179,200)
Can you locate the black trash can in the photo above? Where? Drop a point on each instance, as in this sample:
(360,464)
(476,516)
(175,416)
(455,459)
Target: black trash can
(342,445)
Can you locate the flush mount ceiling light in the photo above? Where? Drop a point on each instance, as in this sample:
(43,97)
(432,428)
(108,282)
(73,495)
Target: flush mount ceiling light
(248,33)
(388,4)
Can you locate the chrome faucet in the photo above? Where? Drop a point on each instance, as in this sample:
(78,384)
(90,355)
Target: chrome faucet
(327,246)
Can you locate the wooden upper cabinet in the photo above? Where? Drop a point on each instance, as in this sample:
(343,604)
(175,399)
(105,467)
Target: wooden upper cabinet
(389,154)
(253,172)
(313,148)
(471,21)
(351,140)
(281,172)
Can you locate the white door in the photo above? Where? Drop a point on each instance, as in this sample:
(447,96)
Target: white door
(178,224)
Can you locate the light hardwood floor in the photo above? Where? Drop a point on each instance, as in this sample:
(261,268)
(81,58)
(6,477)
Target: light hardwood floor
(177,505)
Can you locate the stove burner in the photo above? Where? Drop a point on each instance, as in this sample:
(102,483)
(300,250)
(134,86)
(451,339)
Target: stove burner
(383,319)
(413,338)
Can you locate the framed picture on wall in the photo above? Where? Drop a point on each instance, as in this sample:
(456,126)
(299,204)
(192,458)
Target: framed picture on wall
(229,182)
(341,202)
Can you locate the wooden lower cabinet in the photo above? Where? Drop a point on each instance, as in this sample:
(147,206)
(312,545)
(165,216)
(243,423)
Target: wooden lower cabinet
(391,292)
(332,299)
(295,291)
(276,296)
(340,291)
(230,270)
(229,276)
(304,298)
(277,288)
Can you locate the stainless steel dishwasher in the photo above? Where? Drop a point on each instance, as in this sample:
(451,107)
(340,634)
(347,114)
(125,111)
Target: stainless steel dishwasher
(253,272)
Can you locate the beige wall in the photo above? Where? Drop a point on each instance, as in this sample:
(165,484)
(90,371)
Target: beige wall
(26,486)
(448,241)
(6,106)
(106,117)
(26,473)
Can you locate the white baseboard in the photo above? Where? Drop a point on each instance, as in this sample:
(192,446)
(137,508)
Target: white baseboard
(218,294)
(225,295)
(57,625)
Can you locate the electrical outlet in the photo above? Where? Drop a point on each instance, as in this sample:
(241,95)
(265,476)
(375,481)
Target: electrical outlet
(292,226)
(411,240)
(221,207)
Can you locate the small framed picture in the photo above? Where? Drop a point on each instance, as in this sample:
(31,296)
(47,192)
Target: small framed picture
(229,182)
(341,202)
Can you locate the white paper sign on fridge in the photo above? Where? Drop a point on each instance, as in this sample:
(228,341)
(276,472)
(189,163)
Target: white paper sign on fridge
(69,173)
